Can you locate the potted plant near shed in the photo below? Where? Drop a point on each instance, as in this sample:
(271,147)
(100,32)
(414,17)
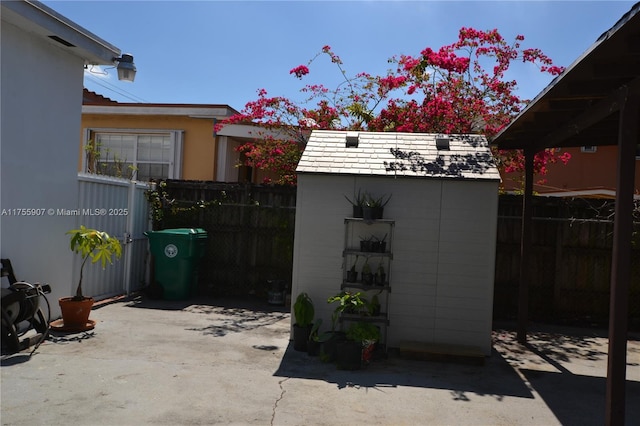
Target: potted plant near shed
(352,274)
(357,202)
(367,335)
(374,207)
(99,247)
(303,311)
(313,345)
(348,303)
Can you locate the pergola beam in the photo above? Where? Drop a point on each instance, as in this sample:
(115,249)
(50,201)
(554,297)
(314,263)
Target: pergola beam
(591,116)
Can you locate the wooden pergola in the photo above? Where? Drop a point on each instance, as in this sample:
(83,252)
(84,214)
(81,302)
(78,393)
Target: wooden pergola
(595,102)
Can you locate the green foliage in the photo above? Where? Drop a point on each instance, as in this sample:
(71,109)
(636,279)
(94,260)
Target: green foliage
(314,335)
(158,199)
(374,202)
(94,244)
(303,310)
(366,268)
(348,302)
(358,199)
(362,331)
(98,162)
(355,262)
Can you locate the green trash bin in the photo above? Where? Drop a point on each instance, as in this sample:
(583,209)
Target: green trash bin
(177,253)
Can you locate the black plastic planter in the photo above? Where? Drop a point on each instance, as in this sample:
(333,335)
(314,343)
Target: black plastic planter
(301,337)
(349,355)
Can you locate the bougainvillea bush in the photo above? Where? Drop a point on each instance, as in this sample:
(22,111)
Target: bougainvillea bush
(459,88)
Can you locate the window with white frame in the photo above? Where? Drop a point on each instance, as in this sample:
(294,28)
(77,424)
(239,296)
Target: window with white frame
(139,155)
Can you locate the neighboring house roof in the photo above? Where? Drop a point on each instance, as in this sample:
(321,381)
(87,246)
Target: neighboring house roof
(92,98)
(209,111)
(399,154)
(36,18)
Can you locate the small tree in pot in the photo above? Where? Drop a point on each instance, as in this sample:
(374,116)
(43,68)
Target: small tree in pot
(99,247)
(304,312)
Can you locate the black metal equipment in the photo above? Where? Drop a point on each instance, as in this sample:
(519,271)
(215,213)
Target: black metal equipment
(21,312)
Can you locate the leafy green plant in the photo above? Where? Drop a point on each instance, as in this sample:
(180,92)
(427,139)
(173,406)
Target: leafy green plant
(374,305)
(303,310)
(366,268)
(314,335)
(371,201)
(363,331)
(358,199)
(347,302)
(94,244)
(355,262)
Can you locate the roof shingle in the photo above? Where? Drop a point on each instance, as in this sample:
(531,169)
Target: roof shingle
(399,154)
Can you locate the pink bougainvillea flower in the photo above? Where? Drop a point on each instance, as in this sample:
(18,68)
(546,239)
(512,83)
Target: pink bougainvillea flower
(300,70)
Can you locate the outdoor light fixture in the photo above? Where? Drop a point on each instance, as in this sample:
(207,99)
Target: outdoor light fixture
(126,68)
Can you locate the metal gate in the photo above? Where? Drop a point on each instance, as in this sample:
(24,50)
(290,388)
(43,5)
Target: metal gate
(119,207)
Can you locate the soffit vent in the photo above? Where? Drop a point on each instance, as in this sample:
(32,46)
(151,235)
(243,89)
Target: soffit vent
(61,41)
(442,143)
(352,140)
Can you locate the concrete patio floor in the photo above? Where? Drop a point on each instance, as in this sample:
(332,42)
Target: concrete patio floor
(199,362)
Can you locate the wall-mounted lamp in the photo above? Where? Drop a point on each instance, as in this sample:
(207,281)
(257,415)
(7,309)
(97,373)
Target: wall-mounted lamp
(126,68)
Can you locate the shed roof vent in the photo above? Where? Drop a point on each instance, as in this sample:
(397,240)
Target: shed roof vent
(442,143)
(352,140)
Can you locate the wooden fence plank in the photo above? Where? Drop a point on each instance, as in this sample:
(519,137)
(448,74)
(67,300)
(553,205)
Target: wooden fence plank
(251,229)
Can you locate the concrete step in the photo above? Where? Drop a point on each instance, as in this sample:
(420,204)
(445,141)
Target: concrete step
(425,351)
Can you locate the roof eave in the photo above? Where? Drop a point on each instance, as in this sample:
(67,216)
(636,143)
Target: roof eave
(39,19)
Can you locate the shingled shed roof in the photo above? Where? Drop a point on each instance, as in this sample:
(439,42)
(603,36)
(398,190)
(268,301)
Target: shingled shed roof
(399,154)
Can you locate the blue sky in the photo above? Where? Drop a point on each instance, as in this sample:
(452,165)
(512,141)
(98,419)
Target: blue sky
(222,52)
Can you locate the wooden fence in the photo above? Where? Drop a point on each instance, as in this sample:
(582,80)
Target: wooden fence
(571,260)
(251,230)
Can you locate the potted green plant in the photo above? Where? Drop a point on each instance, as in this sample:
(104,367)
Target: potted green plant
(304,312)
(355,351)
(367,275)
(380,276)
(374,207)
(346,302)
(313,345)
(357,203)
(352,274)
(379,245)
(366,244)
(99,247)
(374,306)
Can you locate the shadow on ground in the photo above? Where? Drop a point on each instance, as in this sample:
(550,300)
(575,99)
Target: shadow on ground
(229,315)
(580,400)
(496,378)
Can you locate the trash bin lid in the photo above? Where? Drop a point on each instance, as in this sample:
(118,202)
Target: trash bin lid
(183,232)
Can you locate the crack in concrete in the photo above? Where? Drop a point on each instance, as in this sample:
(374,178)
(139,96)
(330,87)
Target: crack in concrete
(275,405)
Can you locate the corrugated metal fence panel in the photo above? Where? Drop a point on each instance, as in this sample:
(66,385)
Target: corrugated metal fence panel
(140,223)
(105,203)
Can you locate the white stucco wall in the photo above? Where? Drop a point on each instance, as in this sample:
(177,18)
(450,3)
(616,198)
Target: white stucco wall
(40,122)
(442,270)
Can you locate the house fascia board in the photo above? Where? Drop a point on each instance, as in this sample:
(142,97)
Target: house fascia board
(247,131)
(36,18)
(194,112)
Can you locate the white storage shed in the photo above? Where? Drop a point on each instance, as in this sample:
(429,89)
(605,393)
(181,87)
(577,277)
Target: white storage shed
(441,225)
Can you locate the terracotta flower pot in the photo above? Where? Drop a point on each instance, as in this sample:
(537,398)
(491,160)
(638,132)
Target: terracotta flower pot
(75,313)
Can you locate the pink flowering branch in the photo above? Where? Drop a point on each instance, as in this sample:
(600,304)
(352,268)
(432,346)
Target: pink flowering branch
(458,88)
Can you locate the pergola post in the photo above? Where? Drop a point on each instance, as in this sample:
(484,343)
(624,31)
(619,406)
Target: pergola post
(525,247)
(628,138)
